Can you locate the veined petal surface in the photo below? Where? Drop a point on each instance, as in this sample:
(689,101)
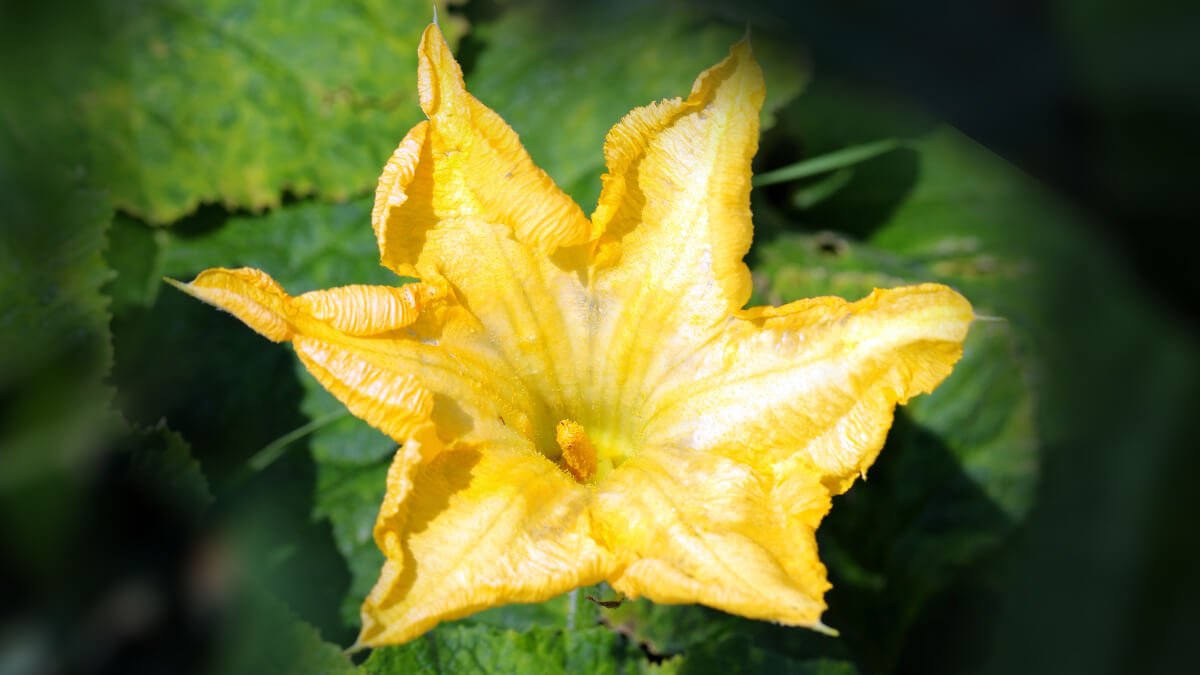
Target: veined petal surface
(478,527)
(400,358)
(673,223)
(699,527)
(460,200)
(818,377)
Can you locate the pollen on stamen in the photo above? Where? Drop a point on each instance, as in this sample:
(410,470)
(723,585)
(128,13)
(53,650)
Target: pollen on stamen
(578,454)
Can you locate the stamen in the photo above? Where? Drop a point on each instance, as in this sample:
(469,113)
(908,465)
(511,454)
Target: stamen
(578,455)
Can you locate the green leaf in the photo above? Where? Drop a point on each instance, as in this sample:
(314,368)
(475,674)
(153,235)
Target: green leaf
(52,265)
(240,102)
(304,246)
(135,254)
(562,77)
(667,629)
(162,464)
(54,337)
(673,630)
(349,495)
(486,650)
(265,637)
(566,610)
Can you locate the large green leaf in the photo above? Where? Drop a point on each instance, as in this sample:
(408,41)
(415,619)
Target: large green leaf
(54,337)
(240,102)
(563,75)
(486,650)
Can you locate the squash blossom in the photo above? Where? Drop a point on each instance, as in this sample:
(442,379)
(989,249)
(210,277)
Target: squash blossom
(582,400)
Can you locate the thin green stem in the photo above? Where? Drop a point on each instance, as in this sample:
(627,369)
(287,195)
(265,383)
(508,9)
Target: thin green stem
(572,608)
(838,159)
(275,449)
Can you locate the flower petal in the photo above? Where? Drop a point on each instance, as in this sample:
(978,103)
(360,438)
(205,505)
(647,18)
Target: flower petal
(673,222)
(464,165)
(396,357)
(461,200)
(475,528)
(698,527)
(818,378)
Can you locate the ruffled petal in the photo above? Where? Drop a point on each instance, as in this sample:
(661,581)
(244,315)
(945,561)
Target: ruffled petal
(461,200)
(398,358)
(817,378)
(464,166)
(700,528)
(475,528)
(673,224)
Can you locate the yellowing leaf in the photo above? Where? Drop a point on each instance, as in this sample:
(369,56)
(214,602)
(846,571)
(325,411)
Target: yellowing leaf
(239,102)
(587,400)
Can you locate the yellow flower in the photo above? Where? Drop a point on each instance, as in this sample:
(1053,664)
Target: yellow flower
(583,400)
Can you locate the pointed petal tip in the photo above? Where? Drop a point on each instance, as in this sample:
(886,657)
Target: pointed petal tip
(743,49)
(740,68)
(433,32)
(181,285)
(820,627)
(355,648)
(436,69)
(249,294)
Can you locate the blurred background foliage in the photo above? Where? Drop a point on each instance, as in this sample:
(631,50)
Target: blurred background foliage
(177,495)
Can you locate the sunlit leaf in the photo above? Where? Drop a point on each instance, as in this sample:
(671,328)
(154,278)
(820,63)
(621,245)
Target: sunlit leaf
(240,102)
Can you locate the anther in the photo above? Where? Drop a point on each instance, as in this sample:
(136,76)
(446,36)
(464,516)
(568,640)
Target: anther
(578,455)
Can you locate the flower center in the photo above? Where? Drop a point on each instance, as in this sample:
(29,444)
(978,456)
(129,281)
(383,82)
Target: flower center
(584,460)
(578,454)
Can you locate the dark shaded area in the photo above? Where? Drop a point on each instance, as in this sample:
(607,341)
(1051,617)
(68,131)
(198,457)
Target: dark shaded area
(891,547)
(122,566)
(185,363)
(181,361)
(1095,99)
(127,553)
